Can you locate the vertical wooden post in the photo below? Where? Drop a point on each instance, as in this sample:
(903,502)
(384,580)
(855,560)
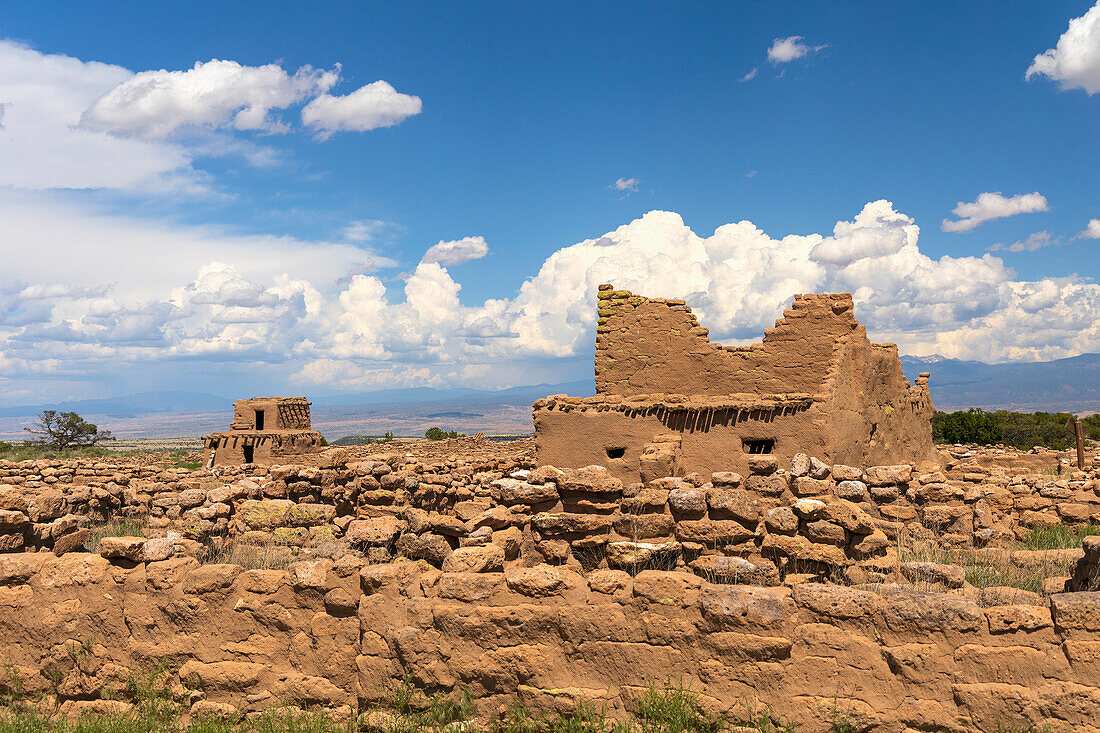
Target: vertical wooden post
(1078,429)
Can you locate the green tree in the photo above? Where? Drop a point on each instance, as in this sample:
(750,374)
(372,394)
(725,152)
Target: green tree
(61,430)
(436,433)
(971,426)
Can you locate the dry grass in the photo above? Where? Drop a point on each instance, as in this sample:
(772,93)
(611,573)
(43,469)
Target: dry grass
(997,567)
(260,556)
(113,528)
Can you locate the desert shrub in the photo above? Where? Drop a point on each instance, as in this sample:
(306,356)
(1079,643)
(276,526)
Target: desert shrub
(673,709)
(585,719)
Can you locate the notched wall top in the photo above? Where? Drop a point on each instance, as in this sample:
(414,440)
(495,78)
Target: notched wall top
(814,383)
(656,345)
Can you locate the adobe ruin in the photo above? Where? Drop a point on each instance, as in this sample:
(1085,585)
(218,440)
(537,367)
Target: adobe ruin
(669,401)
(264,430)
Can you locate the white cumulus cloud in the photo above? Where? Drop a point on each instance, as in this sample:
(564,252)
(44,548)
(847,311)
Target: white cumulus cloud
(990,206)
(784,50)
(43,145)
(218,93)
(314,313)
(1075,61)
(456,251)
(1034,241)
(1092,231)
(367,108)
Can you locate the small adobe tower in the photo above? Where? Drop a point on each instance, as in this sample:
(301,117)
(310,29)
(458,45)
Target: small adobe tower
(264,430)
(669,401)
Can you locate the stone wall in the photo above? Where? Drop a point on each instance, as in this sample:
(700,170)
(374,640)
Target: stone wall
(336,634)
(79,626)
(803,517)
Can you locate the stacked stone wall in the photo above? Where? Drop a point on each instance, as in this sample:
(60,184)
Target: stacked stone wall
(339,635)
(803,517)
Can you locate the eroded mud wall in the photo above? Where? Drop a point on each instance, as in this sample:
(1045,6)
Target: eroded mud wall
(337,636)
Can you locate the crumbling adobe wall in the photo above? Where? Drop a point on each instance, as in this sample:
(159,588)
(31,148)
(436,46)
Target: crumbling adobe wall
(900,659)
(340,635)
(815,383)
(78,626)
(656,346)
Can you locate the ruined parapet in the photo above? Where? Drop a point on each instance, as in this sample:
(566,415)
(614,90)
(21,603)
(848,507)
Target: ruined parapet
(814,383)
(264,430)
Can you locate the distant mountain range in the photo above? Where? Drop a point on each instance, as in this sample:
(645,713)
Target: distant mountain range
(143,403)
(1071,385)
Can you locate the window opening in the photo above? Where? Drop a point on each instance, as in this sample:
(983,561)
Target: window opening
(766,445)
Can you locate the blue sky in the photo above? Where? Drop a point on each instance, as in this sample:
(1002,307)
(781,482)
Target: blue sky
(160,239)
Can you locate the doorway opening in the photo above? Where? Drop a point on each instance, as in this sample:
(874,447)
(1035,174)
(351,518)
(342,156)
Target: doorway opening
(248,454)
(259,419)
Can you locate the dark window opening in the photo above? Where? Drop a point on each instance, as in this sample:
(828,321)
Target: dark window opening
(248,454)
(758,446)
(259,419)
(616,452)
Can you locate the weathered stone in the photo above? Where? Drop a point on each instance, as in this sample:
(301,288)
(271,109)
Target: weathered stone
(429,546)
(837,601)
(883,475)
(852,490)
(849,516)
(122,548)
(541,580)
(558,524)
(951,576)
(800,548)
(781,519)
(713,532)
(800,465)
(688,502)
(158,548)
(726,569)
(375,532)
(806,486)
(510,491)
(725,479)
(638,554)
(733,606)
(644,526)
(827,532)
(766,484)
(735,503)
(483,559)
(808,508)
